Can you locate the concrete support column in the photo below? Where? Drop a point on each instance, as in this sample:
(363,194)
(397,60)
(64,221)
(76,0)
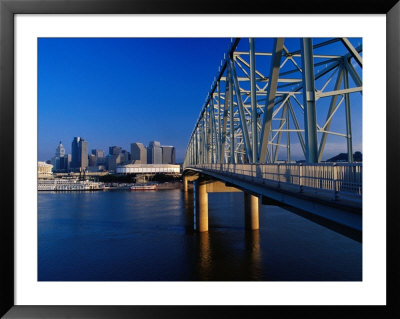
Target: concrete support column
(185,183)
(200,198)
(202,216)
(251,211)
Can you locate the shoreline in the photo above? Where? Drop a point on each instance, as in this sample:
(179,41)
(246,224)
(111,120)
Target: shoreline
(122,187)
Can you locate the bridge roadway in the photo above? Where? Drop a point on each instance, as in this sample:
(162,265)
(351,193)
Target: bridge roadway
(329,193)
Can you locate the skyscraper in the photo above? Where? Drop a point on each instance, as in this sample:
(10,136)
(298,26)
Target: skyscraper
(60,160)
(139,153)
(154,153)
(100,156)
(112,161)
(84,151)
(75,160)
(168,154)
(124,157)
(79,152)
(92,160)
(114,150)
(60,150)
(68,160)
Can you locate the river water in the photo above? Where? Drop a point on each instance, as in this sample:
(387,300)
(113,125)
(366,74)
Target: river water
(148,236)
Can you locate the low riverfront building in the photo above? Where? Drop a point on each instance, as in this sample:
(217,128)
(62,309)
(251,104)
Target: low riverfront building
(45,170)
(148,168)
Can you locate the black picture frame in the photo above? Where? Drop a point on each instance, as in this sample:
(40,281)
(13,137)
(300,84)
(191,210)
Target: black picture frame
(8,8)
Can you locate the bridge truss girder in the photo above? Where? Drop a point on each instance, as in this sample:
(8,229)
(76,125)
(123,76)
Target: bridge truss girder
(252,112)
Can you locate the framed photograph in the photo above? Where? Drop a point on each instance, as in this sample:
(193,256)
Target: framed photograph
(262,201)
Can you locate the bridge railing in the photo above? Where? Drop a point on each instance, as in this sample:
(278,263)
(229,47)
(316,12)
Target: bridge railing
(338,179)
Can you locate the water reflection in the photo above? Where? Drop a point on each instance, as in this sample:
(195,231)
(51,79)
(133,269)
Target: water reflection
(204,256)
(188,216)
(253,254)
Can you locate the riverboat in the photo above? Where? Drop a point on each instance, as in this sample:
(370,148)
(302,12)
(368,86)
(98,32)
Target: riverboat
(68,184)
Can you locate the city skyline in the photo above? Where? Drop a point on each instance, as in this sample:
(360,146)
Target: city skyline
(115,91)
(81,158)
(65,150)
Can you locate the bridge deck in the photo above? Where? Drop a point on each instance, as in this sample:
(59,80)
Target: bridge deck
(331,191)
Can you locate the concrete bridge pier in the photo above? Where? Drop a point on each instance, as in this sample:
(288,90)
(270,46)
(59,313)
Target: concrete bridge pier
(202,216)
(251,211)
(200,205)
(201,188)
(185,184)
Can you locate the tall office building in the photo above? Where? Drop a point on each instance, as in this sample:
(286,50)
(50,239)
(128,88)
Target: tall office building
(68,160)
(92,160)
(154,153)
(84,149)
(79,152)
(100,156)
(75,160)
(112,161)
(114,150)
(60,150)
(60,160)
(168,154)
(139,153)
(125,157)
(55,162)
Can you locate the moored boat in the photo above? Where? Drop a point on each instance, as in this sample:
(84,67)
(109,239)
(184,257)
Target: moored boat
(68,184)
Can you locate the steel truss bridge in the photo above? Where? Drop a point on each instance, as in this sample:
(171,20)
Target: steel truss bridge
(273,100)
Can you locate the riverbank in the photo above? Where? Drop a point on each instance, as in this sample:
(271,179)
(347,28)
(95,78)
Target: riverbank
(160,186)
(170,185)
(91,186)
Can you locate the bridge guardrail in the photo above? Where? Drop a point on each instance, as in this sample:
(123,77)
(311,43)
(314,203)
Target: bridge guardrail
(341,180)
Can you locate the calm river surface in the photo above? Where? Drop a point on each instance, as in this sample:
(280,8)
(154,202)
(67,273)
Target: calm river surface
(147,236)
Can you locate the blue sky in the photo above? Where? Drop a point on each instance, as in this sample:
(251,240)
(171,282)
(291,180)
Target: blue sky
(117,91)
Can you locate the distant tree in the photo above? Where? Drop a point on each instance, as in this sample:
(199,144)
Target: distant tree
(129,178)
(342,157)
(162,178)
(357,157)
